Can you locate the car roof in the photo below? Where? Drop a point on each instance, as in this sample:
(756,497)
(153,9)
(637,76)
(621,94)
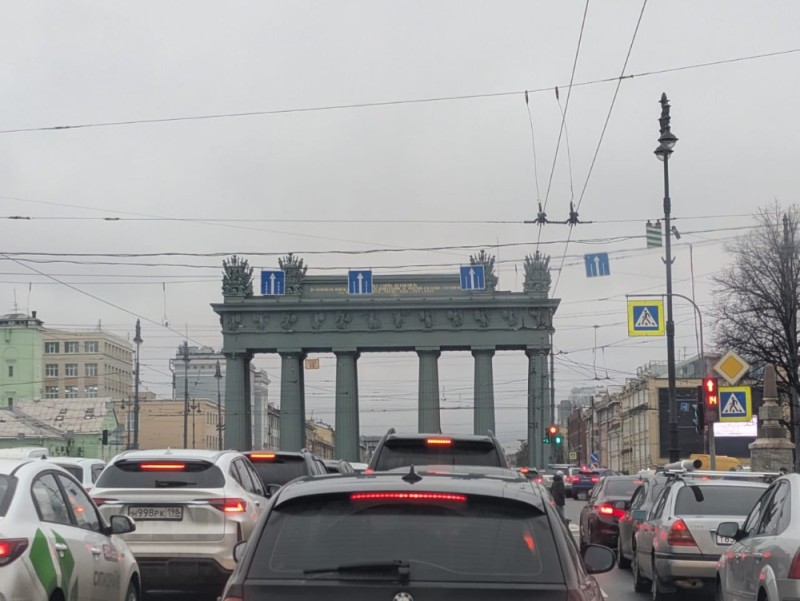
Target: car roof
(722,482)
(74,460)
(464,471)
(9,465)
(516,488)
(171,454)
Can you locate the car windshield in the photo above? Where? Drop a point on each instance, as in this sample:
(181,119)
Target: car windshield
(438,539)
(716,500)
(399,453)
(6,492)
(75,470)
(622,487)
(161,473)
(281,469)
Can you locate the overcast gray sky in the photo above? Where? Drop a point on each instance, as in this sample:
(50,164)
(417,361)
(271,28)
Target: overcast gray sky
(467,160)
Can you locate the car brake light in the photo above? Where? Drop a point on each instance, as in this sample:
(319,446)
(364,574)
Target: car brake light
(228,505)
(794,569)
(608,509)
(162,467)
(679,535)
(262,456)
(439,442)
(11,548)
(595,479)
(539,480)
(369,470)
(407,496)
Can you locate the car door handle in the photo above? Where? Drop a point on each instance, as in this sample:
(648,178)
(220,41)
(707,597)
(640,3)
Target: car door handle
(61,547)
(96,551)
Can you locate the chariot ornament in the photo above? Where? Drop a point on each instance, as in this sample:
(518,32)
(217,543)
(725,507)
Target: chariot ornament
(487,260)
(237,277)
(537,274)
(295,271)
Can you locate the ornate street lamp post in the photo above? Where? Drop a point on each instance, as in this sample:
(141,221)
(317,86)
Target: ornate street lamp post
(666,142)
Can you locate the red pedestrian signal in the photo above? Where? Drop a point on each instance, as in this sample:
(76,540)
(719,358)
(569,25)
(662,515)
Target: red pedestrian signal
(711,393)
(552,430)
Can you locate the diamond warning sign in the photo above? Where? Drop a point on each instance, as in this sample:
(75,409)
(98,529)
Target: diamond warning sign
(646,317)
(735,404)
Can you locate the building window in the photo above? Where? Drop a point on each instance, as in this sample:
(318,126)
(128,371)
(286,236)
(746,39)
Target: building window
(51,392)
(71,347)
(10,371)
(51,370)
(91,391)
(91,369)
(71,370)
(71,392)
(50,347)
(90,347)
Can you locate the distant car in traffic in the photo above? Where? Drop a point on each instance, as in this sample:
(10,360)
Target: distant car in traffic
(411,534)
(583,482)
(607,505)
(84,469)
(276,468)
(337,466)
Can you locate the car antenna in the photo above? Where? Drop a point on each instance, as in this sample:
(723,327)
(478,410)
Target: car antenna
(412,477)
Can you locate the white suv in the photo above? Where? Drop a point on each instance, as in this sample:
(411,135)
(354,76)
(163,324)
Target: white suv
(191,508)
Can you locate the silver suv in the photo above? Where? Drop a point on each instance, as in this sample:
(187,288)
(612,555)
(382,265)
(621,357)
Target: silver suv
(191,508)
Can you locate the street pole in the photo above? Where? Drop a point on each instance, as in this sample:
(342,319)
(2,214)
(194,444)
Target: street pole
(666,142)
(186,394)
(218,376)
(137,340)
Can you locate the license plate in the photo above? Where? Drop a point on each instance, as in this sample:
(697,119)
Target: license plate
(154,512)
(724,541)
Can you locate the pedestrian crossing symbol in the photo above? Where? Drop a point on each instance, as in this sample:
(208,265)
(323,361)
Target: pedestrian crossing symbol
(735,404)
(646,317)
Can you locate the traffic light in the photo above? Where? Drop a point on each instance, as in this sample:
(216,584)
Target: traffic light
(711,393)
(700,412)
(546,440)
(558,439)
(552,430)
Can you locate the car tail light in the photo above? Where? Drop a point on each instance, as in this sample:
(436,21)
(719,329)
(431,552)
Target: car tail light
(538,480)
(162,467)
(794,569)
(439,442)
(609,510)
(369,470)
(103,501)
(595,479)
(679,535)
(262,456)
(226,505)
(11,548)
(407,496)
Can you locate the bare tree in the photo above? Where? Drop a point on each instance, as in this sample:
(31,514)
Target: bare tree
(757,298)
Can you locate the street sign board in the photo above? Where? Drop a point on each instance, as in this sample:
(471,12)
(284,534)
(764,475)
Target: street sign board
(594,457)
(646,317)
(735,404)
(473,277)
(573,455)
(596,265)
(311,363)
(273,282)
(359,281)
(731,367)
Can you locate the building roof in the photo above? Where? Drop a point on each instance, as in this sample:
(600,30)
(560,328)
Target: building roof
(80,416)
(14,426)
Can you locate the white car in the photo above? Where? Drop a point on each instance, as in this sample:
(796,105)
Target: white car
(191,507)
(84,469)
(54,544)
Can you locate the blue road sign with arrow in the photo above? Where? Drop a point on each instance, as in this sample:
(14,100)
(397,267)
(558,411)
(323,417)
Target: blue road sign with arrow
(273,282)
(595,457)
(359,281)
(473,277)
(596,265)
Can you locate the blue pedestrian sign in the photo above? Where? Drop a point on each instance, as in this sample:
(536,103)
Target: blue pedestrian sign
(596,265)
(735,404)
(646,317)
(473,277)
(359,281)
(273,282)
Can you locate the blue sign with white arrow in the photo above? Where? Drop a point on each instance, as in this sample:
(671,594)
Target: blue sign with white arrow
(273,282)
(473,277)
(594,457)
(596,265)
(359,281)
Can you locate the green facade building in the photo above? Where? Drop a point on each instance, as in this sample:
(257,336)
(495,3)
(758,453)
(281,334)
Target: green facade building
(20,357)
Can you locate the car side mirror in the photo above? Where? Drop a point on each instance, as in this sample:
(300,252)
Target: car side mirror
(598,559)
(639,515)
(272,489)
(238,551)
(730,530)
(122,524)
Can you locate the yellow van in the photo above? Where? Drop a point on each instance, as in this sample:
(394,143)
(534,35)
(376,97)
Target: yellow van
(724,462)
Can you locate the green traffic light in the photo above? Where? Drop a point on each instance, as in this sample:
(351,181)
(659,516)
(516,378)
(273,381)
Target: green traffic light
(546,440)
(559,439)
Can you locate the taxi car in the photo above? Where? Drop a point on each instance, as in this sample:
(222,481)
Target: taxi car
(84,469)
(54,544)
(412,533)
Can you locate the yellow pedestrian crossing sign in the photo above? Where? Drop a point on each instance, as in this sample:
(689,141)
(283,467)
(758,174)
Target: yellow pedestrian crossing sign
(735,404)
(646,317)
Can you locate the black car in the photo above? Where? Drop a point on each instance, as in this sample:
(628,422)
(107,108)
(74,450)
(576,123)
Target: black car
(608,503)
(398,450)
(276,468)
(643,498)
(412,534)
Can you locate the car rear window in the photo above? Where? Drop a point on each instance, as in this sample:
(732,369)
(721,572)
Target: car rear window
(7,486)
(280,469)
(161,473)
(622,488)
(716,500)
(399,453)
(477,539)
(75,470)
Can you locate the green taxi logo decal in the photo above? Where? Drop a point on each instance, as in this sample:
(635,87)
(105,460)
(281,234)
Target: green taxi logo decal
(67,564)
(43,562)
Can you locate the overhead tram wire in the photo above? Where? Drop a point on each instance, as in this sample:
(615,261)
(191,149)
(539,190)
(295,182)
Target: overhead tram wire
(359,105)
(602,135)
(533,146)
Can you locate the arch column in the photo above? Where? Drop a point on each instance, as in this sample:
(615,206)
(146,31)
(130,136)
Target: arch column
(238,430)
(483,420)
(428,416)
(538,454)
(293,401)
(347,428)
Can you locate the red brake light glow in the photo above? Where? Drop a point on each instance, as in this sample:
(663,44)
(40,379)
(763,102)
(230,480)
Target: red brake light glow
(11,548)
(162,467)
(608,509)
(794,569)
(679,535)
(595,479)
(228,505)
(439,442)
(407,496)
(262,456)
